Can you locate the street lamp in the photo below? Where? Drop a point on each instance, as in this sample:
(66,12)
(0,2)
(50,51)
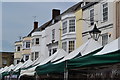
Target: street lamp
(95,33)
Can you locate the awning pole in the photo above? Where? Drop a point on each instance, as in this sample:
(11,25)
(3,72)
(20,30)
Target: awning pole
(65,71)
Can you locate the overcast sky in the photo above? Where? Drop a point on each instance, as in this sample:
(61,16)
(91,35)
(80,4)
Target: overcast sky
(17,18)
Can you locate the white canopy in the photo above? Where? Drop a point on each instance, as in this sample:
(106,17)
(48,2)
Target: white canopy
(10,67)
(110,47)
(4,69)
(37,61)
(18,66)
(27,63)
(56,56)
(88,47)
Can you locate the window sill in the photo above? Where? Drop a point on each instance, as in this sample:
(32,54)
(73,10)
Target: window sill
(104,21)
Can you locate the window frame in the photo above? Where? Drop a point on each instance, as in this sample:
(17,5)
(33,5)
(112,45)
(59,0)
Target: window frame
(104,12)
(72,25)
(53,34)
(37,55)
(27,45)
(37,41)
(105,41)
(64,46)
(71,47)
(92,16)
(64,27)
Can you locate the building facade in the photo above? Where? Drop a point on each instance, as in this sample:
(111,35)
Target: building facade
(18,52)
(71,28)
(45,38)
(7,58)
(23,47)
(102,14)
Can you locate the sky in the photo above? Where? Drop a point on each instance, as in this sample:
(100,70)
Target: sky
(18,17)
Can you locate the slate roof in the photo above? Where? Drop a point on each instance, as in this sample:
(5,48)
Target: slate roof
(71,9)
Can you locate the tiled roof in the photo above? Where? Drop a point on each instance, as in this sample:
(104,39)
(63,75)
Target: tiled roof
(73,8)
(44,26)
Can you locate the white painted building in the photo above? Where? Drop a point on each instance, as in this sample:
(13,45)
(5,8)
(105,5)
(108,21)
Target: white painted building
(101,14)
(38,48)
(53,37)
(45,39)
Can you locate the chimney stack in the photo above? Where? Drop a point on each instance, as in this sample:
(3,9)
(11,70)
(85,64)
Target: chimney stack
(35,25)
(55,12)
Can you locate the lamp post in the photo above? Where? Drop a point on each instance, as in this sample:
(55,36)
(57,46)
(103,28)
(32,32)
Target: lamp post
(95,33)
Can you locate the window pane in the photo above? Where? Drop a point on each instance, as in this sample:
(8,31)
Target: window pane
(71,46)
(105,12)
(72,25)
(36,55)
(18,48)
(26,57)
(50,52)
(32,41)
(104,39)
(37,40)
(92,16)
(27,44)
(64,26)
(64,46)
(32,56)
(54,50)
(53,34)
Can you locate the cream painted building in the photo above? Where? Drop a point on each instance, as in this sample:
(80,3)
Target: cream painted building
(26,48)
(18,52)
(102,14)
(23,47)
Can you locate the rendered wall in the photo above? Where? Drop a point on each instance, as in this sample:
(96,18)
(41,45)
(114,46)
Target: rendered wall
(78,15)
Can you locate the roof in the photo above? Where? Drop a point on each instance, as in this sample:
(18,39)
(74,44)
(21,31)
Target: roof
(83,50)
(44,26)
(73,8)
(110,47)
(49,23)
(88,5)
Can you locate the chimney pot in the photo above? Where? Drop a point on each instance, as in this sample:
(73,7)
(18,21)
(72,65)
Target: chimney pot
(35,25)
(55,12)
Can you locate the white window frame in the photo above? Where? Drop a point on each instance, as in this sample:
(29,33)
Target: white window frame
(64,26)
(72,25)
(32,56)
(64,46)
(106,12)
(105,39)
(32,41)
(69,46)
(25,45)
(53,34)
(36,56)
(92,16)
(37,41)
